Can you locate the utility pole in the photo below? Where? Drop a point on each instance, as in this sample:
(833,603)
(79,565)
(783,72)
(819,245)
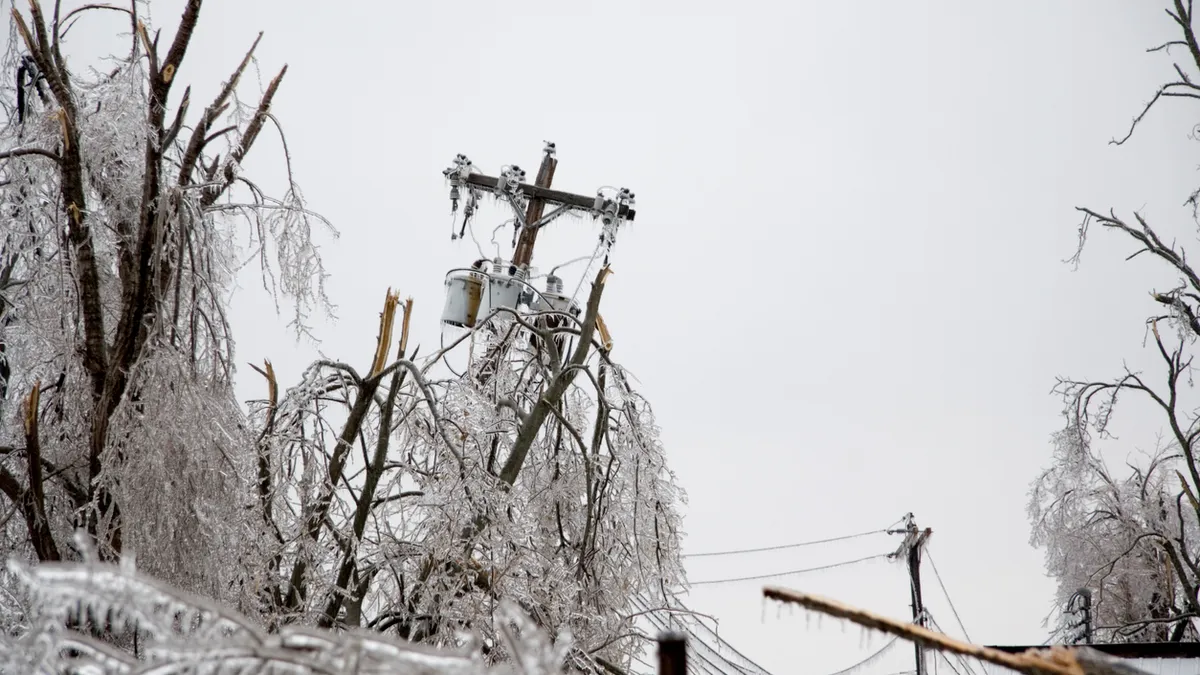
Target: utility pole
(533,213)
(499,284)
(914,539)
(510,185)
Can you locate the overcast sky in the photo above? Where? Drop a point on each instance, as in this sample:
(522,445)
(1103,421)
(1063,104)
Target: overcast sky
(844,292)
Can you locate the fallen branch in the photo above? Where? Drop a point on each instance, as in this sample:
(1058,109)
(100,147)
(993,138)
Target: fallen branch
(1056,660)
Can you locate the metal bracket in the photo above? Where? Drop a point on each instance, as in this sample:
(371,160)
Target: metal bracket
(517,208)
(549,217)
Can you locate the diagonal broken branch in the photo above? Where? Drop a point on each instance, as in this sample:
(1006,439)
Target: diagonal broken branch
(196,145)
(248,137)
(1053,661)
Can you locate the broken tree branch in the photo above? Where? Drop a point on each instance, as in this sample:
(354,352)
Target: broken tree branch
(532,423)
(1053,661)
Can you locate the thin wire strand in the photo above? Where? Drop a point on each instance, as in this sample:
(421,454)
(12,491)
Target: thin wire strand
(938,576)
(782,546)
(949,663)
(788,573)
(583,277)
(680,621)
(962,661)
(846,671)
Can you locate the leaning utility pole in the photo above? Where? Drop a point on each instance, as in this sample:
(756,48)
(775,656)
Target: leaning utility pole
(545,176)
(502,284)
(914,539)
(510,186)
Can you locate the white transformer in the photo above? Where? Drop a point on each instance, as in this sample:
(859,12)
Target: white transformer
(475,293)
(464,294)
(554,300)
(505,286)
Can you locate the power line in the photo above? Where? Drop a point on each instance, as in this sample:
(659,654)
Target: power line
(962,661)
(783,546)
(846,671)
(681,618)
(788,573)
(948,600)
(701,650)
(949,663)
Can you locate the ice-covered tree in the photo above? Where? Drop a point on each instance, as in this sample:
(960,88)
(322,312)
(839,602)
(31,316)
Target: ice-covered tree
(415,504)
(121,200)
(1131,536)
(403,497)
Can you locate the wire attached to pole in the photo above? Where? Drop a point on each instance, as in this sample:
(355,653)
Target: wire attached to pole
(938,576)
(782,546)
(788,573)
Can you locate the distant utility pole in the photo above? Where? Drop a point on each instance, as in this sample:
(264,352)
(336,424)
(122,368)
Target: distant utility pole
(914,539)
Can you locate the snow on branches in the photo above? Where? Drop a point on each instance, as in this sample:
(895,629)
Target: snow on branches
(404,499)
(108,619)
(1130,537)
(391,509)
(119,209)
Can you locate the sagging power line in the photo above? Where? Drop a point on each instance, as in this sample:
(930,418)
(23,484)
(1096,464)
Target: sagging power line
(788,573)
(869,660)
(782,547)
(946,593)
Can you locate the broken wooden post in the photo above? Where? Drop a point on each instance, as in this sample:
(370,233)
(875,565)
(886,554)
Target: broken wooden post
(672,654)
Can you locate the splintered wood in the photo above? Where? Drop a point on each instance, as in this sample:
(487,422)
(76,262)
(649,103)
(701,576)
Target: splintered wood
(1055,660)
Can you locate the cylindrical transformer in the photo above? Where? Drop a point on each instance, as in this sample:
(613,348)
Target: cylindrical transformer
(464,293)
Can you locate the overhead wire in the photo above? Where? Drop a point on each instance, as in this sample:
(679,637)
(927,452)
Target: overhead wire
(749,664)
(945,593)
(789,573)
(962,660)
(846,671)
(950,663)
(583,277)
(782,547)
(703,663)
(687,622)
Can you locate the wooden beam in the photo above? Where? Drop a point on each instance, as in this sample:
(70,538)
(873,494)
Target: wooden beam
(533,212)
(547,195)
(672,654)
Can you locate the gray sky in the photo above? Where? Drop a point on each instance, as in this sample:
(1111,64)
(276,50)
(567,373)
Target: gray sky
(844,291)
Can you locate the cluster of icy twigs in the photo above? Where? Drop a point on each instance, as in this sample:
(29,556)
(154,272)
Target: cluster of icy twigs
(152,628)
